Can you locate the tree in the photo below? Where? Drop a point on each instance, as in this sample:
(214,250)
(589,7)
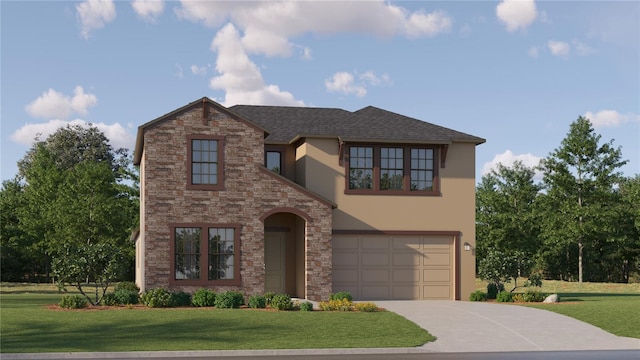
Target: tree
(100,264)
(505,213)
(579,179)
(77,189)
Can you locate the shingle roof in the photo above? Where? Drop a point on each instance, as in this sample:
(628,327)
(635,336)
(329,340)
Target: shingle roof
(287,124)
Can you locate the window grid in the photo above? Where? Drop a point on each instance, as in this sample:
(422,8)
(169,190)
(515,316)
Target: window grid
(391,169)
(204,162)
(187,253)
(422,169)
(221,253)
(360,167)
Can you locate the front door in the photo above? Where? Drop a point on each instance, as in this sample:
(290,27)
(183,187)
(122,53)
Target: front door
(274,262)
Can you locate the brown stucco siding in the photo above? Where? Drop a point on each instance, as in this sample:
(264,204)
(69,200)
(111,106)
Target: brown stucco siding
(248,194)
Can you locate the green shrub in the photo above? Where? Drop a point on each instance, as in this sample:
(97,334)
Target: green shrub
(306,306)
(366,307)
(203,297)
(159,297)
(127,285)
(73,302)
(281,302)
(519,297)
(257,302)
(229,300)
(533,296)
(109,299)
(478,295)
(493,290)
(120,297)
(504,296)
(337,305)
(180,298)
(268,296)
(341,295)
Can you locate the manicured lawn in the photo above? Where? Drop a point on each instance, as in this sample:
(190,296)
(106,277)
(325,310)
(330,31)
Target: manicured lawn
(30,325)
(612,307)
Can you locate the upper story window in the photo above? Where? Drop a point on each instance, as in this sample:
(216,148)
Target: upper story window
(273,161)
(205,163)
(392,170)
(205,254)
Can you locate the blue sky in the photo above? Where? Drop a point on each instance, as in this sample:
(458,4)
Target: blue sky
(516,73)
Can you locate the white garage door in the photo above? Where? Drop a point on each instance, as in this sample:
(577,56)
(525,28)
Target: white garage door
(399,267)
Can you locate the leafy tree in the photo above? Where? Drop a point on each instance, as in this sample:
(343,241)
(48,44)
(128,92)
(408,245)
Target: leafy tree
(506,219)
(100,264)
(77,189)
(579,178)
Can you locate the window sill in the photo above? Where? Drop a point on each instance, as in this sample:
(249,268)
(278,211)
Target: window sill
(393,193)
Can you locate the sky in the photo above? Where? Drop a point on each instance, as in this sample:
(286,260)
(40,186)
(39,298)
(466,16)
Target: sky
(516,73)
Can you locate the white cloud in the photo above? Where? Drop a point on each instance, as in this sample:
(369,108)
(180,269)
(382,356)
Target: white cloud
(508,158)
(559,48)
(240,77)
(148,10)
(52,104)
(422,24)
(179,72)
(533,52)
(610,118)
(116,133)
(582,49)
(348,83)
(344,82)
(516,14)
(94,14)
(199,70)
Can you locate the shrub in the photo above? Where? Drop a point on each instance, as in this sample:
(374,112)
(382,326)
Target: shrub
(257,302)
(203,297)
(73,302)
(341,295)
(337,305)
(159,297)
(478,295)
(229,300)
(109,299)
(493,290)
(180,298)
(268,296)
(306,306)
(366,307)
(518,297)
(127,285)
(281,302)
(126,297)
(533,296)
(504,296)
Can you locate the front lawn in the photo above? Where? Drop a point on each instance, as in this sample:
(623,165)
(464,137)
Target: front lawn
(612,307)
(30,324)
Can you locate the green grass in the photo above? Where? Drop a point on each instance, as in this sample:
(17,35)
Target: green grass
(29,324)
(614,308)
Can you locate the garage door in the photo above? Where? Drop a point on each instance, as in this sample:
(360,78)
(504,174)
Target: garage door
(399,267)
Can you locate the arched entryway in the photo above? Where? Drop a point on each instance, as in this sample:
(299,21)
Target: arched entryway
(284,252)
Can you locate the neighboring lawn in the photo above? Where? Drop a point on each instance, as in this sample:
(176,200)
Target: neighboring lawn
(29,324)
(612,307)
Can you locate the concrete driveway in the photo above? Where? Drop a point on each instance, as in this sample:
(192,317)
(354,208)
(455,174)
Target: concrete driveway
(463,326)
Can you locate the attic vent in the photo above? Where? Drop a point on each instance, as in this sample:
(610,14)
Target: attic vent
(205,112)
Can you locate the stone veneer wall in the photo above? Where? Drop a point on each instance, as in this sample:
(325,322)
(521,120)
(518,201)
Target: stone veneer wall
(249,194)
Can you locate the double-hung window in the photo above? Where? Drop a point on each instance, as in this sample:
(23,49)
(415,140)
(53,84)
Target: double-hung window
(204,254)
(205,163)
(392,170)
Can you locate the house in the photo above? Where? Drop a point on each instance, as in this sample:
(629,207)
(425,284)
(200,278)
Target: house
(305,201)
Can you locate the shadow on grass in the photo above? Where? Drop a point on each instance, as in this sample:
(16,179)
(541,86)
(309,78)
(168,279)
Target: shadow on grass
(575,297)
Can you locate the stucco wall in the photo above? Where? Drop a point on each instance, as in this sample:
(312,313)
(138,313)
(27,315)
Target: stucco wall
(248,195)
(453,210)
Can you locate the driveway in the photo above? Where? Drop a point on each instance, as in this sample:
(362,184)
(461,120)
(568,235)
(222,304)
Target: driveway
(463,326)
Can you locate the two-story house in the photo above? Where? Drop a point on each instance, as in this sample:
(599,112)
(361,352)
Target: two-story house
(305,201)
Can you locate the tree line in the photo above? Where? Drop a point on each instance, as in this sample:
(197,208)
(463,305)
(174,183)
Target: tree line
(73,204)
(580,223)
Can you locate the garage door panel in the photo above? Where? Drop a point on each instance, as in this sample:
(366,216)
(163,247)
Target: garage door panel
(408,275)
(437,259)
(438,291)
(443,275)
(377,259)
(375,276)
(405,292)
(406,259)
(375,267)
